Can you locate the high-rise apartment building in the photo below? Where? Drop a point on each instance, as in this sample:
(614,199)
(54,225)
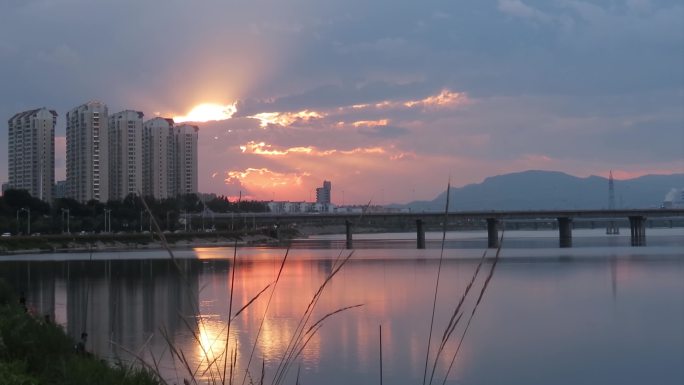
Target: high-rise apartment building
(125,154)
(159,166)
(87,152)
(31,152)
(169,158)
(323,194)
(186,158)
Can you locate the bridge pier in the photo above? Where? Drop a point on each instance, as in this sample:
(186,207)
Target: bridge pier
(492,233)
(565,231)
(612,228)
(637,227)
(420,234)
(348,227)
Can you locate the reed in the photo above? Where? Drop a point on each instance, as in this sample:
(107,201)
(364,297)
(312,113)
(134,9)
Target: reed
(222,368)
(459,309)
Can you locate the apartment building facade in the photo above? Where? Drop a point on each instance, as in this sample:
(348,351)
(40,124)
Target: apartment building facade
(159,166)
(125,154)
(185,136)
(88,152)
(31,152)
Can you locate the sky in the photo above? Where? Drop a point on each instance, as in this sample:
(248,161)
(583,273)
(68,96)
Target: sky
(387,99)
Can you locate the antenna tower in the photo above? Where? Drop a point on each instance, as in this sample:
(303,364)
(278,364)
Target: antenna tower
(612,228)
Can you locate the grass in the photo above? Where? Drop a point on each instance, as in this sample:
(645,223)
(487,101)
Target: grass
(33,351)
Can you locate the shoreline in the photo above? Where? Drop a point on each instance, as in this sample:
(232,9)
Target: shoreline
(80,246)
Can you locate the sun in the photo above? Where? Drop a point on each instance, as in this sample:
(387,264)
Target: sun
(208,111)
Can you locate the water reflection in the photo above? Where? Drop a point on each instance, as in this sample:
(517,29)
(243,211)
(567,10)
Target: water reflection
(619,319)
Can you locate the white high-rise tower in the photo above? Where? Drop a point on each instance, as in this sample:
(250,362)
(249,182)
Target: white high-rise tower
(159,166)
(186,158)
(125,154)
(87,152)
(31,152)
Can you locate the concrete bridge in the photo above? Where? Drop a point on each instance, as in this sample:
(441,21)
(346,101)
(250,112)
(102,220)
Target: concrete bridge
(563,218)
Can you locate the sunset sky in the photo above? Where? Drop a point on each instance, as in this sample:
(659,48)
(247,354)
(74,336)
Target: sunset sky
(387,99)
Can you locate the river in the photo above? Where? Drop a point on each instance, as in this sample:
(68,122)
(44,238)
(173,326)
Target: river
(601,312)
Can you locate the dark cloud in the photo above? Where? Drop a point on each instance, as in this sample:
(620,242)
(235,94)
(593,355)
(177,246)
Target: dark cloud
(578,80)
(386,132)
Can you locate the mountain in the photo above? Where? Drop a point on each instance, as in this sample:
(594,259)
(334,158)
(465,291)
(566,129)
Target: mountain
(548,190)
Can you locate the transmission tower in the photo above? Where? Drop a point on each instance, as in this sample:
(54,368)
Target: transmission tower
(612,227)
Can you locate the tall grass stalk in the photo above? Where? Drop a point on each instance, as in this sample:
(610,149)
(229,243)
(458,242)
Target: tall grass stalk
(439,272)
(456,316)
(226,372)
(477,304)
(380,333)
(263,319)
(299,338)
(230,311)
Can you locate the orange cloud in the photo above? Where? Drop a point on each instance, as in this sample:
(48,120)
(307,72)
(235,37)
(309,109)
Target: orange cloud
(445,98)
(285,118)
(264,178)
(262,148)
(370,123)
(364,150)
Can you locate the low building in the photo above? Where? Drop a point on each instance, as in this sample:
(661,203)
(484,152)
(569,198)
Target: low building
(286,207)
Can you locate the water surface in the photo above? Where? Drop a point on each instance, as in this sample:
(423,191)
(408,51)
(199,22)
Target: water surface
(593,314)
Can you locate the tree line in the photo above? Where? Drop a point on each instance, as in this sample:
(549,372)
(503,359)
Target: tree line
(128,215)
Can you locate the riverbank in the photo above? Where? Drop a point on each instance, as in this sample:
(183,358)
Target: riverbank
(85,243)
(33,350)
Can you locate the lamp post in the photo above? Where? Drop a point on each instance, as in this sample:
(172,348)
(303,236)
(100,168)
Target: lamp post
(108,220)
(66,211)
(28,223)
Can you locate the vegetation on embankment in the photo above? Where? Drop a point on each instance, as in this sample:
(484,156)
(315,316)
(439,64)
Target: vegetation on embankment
(127,241)
(36,351)
(20,213)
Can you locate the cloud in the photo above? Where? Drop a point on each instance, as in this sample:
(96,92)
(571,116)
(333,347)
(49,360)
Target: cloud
(444,99)
(285,118)
(263,177)
(370,123)
(269,150)
(464,89)
(519,9)
(266,149)
(385,132)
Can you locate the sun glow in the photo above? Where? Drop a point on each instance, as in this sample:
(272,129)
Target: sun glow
(207,112)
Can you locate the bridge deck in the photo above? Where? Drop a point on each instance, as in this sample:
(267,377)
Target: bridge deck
(477,215)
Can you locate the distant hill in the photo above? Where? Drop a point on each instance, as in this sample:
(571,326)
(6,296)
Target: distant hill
(548,190)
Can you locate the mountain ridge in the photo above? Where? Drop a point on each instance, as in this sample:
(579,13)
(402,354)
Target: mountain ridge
(549,190)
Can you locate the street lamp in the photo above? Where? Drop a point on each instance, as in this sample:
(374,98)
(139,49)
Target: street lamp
(185,221)
(108,220)
(28,223)
(66,211)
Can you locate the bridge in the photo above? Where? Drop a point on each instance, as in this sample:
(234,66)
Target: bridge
(637,220)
